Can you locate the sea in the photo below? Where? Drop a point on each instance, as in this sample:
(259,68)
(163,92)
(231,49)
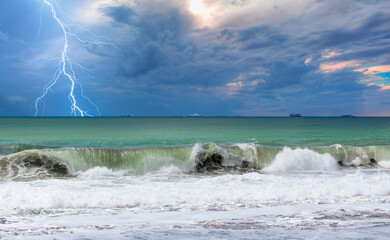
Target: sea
(195,178)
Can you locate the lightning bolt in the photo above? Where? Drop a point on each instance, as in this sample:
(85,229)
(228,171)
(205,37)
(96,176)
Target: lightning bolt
(65,66)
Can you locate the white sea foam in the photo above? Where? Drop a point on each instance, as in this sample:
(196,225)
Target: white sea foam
(159,204)
(300,160)
(357,161)
(191,192)
(385,164)
(97,172)
(170,169)
(361,158)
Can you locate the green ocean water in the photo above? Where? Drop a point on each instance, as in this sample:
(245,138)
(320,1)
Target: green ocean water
(136,132)
(141,145)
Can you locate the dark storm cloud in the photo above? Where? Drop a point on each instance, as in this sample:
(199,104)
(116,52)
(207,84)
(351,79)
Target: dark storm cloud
(151,24)
(255,37)
(161,40)
(377,25)
(121,14)
(282,74)
(150,57)
(367,53)
(166,55)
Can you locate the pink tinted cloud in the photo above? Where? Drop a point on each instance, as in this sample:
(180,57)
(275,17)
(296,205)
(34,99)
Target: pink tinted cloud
(383,86)
(374,80)
(330,54)
(308,60)
(375,70)
(234,84)
(337,66)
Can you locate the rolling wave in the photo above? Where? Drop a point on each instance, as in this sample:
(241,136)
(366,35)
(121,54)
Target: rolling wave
(197,158)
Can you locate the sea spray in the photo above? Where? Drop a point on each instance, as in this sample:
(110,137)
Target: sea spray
(302,159)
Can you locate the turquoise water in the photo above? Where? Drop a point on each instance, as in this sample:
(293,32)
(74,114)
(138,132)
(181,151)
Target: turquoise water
(141,145)
(135,132)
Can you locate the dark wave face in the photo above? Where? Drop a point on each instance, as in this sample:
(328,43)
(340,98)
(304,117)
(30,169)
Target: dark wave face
(198,158)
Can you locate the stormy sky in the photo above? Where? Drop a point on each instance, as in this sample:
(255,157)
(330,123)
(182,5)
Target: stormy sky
(211,57)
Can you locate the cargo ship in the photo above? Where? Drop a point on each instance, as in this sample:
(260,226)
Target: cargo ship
(347,116)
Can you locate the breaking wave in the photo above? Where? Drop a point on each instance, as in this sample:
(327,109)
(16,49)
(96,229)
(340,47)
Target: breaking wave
(197,158)
(302,159)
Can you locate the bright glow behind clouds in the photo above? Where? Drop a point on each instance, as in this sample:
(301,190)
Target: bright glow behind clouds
(196,6)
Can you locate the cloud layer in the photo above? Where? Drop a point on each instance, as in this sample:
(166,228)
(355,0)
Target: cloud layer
(236,57)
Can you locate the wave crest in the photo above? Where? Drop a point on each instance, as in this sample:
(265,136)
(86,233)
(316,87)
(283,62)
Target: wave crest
(197,158)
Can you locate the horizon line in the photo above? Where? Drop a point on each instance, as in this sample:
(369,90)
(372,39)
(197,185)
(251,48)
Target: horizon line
(189,116)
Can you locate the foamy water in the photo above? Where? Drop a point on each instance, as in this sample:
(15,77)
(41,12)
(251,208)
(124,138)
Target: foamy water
(174,203)
(162,191)
(302,159)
